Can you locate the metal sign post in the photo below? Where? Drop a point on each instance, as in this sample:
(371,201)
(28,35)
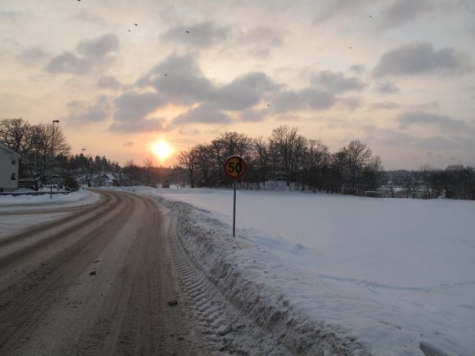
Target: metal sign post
(234,209)
(235,168)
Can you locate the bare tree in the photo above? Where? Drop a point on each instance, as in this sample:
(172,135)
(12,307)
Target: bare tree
(18,135)
(189,161)
(148,165)
(424,175)
(205,164)
(227,144)
(373,174)
(261,158)
(289,147)
(336,172)
(316,165)
(49,142)
(357,156)
(132,173)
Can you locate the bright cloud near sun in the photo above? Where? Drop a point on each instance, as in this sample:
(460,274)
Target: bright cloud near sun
(398,75)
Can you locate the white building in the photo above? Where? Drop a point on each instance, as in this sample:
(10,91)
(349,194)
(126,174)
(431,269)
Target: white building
(9,166)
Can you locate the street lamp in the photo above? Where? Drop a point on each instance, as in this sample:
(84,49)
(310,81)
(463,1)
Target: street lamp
(83,167)
(51,171)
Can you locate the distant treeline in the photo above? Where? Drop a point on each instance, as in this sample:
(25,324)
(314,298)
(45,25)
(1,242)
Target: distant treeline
(285,156)
(309,165)
(45,156)
(454,182)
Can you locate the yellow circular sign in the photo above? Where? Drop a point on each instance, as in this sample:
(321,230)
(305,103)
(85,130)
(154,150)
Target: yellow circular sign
(235,167)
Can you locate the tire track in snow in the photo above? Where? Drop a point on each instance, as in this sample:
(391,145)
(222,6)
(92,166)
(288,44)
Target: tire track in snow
(223,326)
(255,318)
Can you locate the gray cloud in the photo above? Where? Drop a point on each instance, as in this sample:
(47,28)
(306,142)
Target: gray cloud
(385,106)
(128,144)
(358,68)
(82,112)
(139,125)
(109,82)
(442,123)
(336,7)
(68,62)
(261,40)
(132,106)
(32,56)
(307,98)
(287,101)
(261,52)
(351,103)
(426,106)
(203,114)
(93,55)
(253,115)
(438,143)
(419,59)
(200,36)
(84,16)
(99,47)
(133,110)
(404,11)
(179,79)
(242,92)
(12,16)
(337,82)
(263,35)
(317,99)
(386,88)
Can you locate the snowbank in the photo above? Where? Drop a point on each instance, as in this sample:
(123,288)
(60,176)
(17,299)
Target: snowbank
(313,308)
(240,270)
(81,197)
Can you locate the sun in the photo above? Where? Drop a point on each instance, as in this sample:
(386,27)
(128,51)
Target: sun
(162,150)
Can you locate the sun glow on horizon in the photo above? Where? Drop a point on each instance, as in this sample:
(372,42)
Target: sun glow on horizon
(162,150)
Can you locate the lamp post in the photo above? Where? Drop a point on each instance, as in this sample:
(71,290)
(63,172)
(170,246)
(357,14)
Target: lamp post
(51,170)
(83,167)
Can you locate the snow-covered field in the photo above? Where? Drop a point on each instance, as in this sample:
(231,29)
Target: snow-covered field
(396,275)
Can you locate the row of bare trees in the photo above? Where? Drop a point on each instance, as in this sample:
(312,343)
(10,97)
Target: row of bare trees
(45,154)
(454,182)
(285,156)
(41,145)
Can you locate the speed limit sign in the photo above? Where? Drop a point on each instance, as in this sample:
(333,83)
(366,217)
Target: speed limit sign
(235,167)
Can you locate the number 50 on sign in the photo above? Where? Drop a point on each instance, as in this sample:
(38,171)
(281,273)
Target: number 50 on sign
(235,167)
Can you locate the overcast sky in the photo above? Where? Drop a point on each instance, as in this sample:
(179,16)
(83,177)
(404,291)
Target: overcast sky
(398,75)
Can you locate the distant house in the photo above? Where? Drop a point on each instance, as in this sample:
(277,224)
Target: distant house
(104,180)
(9,166)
